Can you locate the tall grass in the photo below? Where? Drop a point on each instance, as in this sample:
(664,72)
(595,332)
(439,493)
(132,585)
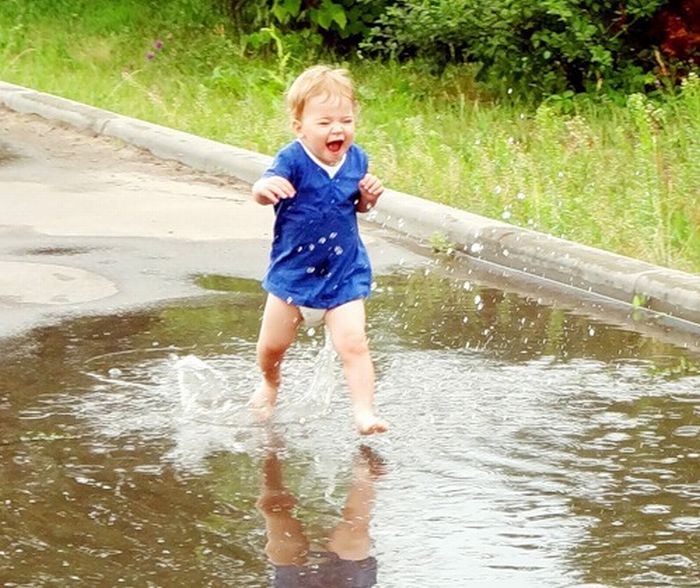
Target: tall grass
(624,177)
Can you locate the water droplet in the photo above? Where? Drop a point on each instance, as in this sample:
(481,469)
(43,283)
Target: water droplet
(322,240)
(299,249)
(506,215)
(338,250)
(591,331)
(467,285)
(476,247)
(498,189)
(333,235)
(289,299)
(310,270)
(520,195)
(655,509)
(312,247)
(114,372)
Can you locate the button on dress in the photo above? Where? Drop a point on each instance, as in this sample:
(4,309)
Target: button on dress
(317,257)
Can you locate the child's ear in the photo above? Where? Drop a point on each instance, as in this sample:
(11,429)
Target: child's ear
(296,127)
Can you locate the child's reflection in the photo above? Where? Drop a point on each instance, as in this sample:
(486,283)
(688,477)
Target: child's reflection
(345,562)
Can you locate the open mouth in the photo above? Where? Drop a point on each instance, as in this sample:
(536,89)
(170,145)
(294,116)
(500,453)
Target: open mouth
(334,146)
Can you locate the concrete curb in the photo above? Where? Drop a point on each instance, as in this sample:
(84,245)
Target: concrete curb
(667,291)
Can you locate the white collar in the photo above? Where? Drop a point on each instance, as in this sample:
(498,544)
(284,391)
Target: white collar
(331,170)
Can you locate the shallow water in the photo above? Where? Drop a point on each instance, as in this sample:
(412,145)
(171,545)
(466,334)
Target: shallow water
(529,446)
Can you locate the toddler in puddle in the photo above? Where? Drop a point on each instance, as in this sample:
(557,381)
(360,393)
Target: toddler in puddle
(319,269)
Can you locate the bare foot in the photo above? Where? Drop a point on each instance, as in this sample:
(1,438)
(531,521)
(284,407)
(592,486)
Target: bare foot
(263,400)
(369,423)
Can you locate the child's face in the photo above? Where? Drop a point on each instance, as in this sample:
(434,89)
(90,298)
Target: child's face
(327,127)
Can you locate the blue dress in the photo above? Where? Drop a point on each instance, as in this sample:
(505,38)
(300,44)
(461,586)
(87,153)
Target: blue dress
(318,259)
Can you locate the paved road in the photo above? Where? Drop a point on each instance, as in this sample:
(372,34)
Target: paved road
(90,225)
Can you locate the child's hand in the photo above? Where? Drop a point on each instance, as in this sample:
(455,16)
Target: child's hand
(371,189)
(272,189)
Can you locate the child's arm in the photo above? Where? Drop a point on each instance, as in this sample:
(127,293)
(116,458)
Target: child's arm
(371,189)
(272,189)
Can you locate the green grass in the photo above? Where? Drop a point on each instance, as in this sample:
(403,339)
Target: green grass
(623,177)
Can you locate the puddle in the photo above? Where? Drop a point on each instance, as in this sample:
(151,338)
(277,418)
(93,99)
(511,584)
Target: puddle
(530,447)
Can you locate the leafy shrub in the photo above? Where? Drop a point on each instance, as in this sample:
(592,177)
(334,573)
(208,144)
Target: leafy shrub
(339,24)
(547,46)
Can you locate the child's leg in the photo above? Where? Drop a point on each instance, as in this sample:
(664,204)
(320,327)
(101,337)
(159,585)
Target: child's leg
(277,332)
(347,327)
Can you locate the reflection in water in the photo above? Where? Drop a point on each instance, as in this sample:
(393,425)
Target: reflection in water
(530,447)
(343,560)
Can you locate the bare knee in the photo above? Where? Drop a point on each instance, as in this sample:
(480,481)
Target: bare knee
(270,352)
(351,345)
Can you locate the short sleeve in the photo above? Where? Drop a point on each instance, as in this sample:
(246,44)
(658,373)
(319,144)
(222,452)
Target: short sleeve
(282,165)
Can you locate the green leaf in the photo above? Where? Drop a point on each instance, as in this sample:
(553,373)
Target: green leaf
(280,12)
(320,18)
(640,300)
(601,55)
(293,7)
(338,15)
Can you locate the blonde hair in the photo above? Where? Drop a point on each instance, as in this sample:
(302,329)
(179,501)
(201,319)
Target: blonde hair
(318,80)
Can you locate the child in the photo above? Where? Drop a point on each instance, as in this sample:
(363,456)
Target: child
(319,268)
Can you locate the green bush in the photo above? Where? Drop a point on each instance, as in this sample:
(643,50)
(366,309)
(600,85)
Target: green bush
(338,24)
(545,47)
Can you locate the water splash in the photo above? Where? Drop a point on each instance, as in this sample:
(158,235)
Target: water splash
(316,399)
(202,388)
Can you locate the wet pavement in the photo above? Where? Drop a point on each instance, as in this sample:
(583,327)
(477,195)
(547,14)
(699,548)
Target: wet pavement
(92,225)
(539,438)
